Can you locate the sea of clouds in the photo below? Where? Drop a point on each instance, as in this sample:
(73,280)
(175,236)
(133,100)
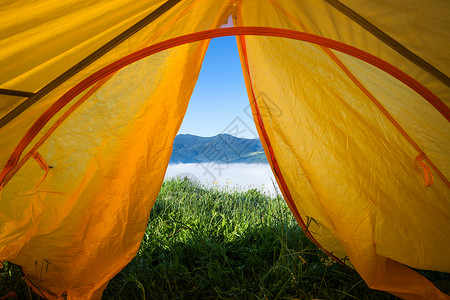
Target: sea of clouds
(227,176)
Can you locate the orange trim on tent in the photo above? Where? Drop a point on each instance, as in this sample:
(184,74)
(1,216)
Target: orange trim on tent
(284,188)
(41,161)
(198,36)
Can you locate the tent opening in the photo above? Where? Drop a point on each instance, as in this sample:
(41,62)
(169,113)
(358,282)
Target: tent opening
(218,143)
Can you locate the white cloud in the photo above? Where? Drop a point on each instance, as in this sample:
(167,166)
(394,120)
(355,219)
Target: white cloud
(240,176)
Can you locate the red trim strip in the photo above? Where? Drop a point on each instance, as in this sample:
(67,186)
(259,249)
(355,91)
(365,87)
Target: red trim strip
(198,36)
(283,186)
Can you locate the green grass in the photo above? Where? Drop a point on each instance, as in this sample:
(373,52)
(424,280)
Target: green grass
(205,243)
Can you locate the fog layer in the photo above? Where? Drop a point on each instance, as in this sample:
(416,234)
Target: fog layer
(230,176)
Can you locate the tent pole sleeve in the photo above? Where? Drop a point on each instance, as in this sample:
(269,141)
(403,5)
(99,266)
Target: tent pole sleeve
(16,93)
(87,61)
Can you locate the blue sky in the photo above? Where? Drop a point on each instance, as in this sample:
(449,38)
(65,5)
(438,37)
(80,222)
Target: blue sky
(219,103)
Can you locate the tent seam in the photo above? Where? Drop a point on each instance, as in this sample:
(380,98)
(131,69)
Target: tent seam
(55,126)
(275,166)
(87,61)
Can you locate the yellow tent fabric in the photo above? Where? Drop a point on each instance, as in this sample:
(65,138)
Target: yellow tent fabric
(363,152)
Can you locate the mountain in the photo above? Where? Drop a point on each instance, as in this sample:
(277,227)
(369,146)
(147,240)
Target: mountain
(222,148)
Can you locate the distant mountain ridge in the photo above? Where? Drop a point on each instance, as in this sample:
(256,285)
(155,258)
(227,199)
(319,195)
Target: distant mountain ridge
(222,148)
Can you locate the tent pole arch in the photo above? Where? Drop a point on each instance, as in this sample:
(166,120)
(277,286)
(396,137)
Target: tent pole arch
(221,32)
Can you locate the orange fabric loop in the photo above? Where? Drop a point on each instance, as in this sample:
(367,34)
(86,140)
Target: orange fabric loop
(9,296)
(428,176)
(40,160)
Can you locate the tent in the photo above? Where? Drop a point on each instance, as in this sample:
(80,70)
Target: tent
(350,99)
